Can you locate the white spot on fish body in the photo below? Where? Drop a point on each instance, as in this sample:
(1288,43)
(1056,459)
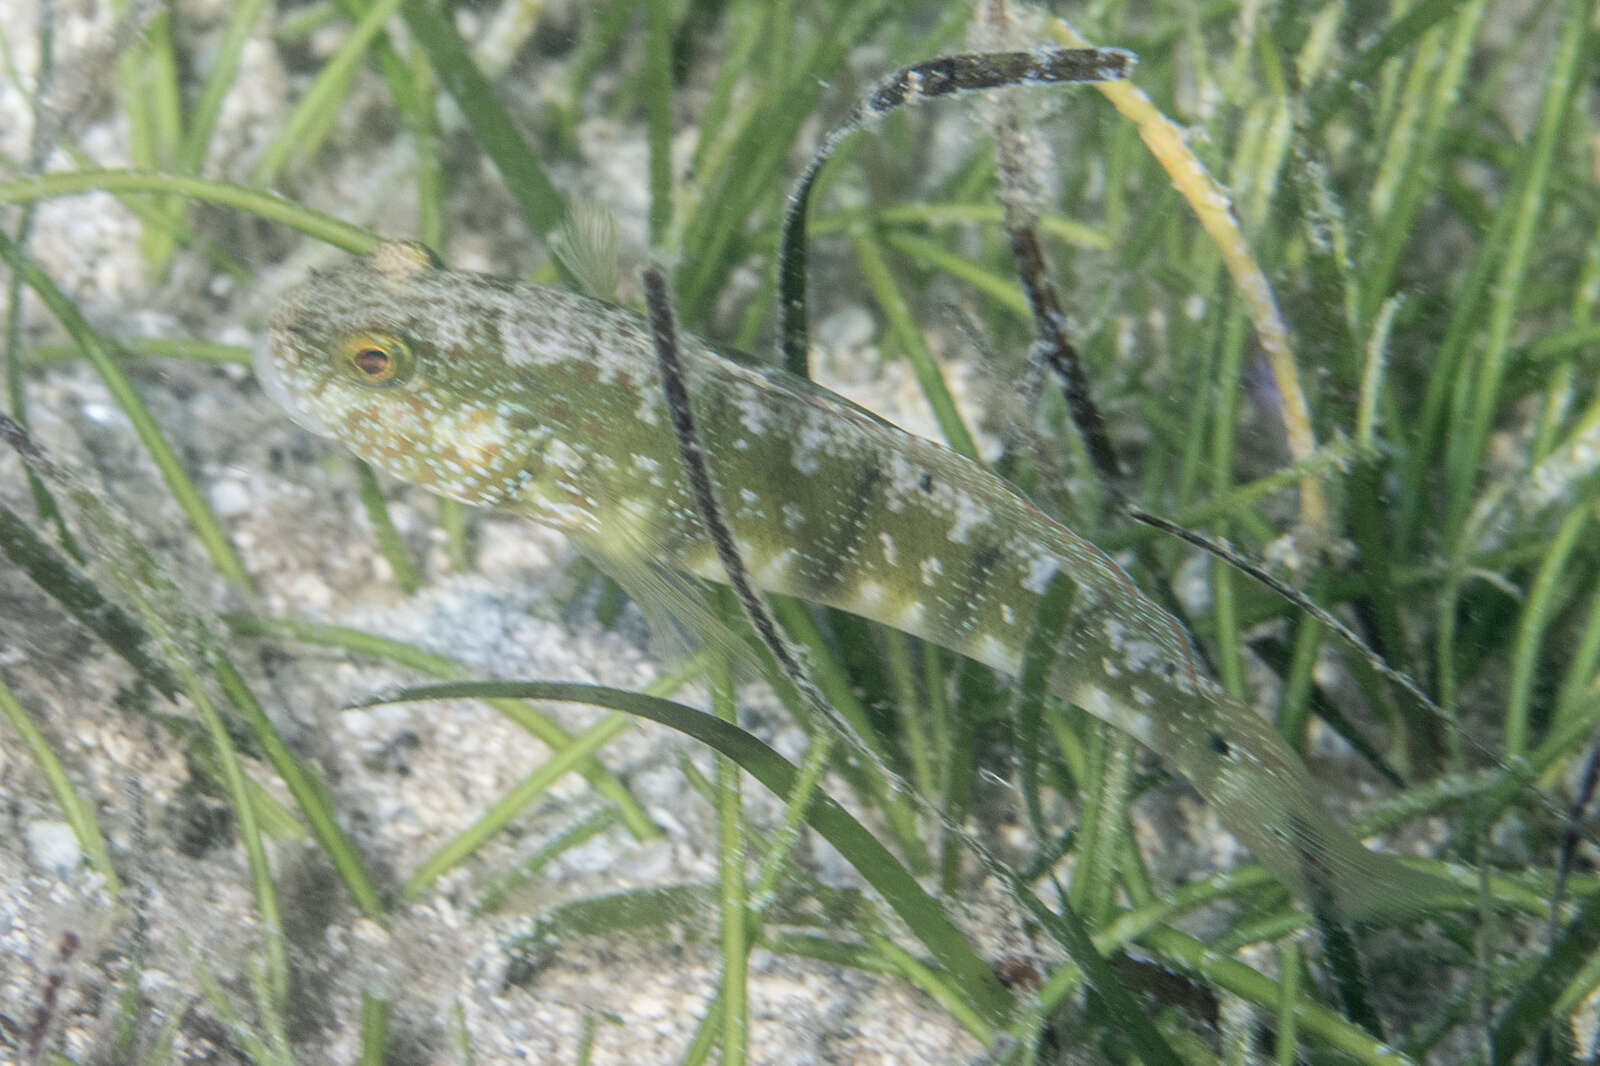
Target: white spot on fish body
(1142,656)
(773,572)
(1110,666)
(471,431)
(649,411)
(996,653)
(754,412)
(1008,615)
(806,460)
(904,477)
(1040,570)
(547,327)
(637,510)
(563,514)
(1127,337)
(749,508)
(969,515)
(794,516)
(812,444)
(563,456)
(526,341)
(1098,702)
(889,554)
(931,568)
(869,595)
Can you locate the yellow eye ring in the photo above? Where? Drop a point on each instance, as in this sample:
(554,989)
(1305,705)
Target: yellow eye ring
(373,358)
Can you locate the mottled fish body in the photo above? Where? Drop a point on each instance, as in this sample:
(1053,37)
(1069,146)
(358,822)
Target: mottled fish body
(550,404)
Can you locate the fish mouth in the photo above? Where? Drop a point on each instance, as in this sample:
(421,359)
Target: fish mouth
(270,377)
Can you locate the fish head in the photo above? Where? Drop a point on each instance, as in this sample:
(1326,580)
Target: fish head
(399,360)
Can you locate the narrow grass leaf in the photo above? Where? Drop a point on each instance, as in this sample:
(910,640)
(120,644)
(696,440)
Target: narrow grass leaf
(891,299)
(733,897)
(182,639)
(264,205)
(1195,957)
(510,805)
(390,543)
(1068,930)
(1002,290)
(205,525)
(839,689)
(1039,653)
(77,593)
(234,782)
(224,68)
(1478,392)
(323,99)
(1212,207)
(658,120)
(1552,585)
(435,31)
(307,788)
(79,814)
(899,889)
(523,714)
(1530,1010)
(148,348)
(374,1027)
(503,886)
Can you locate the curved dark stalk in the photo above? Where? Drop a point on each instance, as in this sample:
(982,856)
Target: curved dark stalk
(922,81)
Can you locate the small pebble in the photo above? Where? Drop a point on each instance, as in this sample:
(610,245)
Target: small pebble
(52,847)
(229,498)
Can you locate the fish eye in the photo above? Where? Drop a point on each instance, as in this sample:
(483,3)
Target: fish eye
(373,358)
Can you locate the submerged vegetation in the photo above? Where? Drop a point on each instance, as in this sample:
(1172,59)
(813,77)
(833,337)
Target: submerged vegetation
(1368,365)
